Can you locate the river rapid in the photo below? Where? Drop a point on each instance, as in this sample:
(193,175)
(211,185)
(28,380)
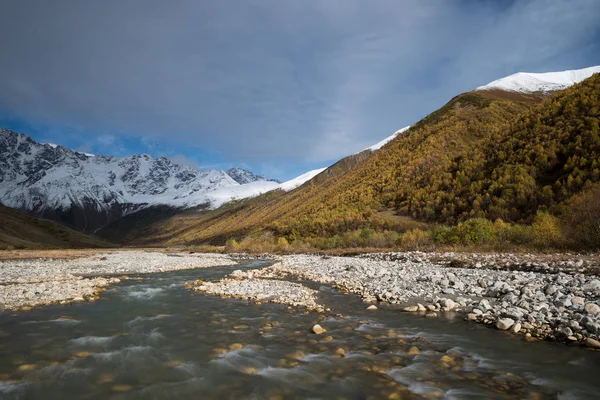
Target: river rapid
(149,338)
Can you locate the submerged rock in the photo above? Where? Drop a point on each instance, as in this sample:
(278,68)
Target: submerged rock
(318,329)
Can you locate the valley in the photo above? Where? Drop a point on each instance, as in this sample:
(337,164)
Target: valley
(455,258)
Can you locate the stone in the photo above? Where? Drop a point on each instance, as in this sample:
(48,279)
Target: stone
(372,307)
(318,329)
(592,327)
(565,331)
(578,301)
(504,323)
(26,367)
(236,346)
(414,350)
(447,304)
(249,370)
(421,307)
(411,309)
(593,343)
(121,388)
(592,308)
(592,285)
(447,361)
(516,328)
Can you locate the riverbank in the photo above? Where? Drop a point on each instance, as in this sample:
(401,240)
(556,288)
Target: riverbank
(549,297)
(25,283)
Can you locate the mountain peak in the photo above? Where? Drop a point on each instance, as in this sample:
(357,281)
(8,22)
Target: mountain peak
(528,82)
(243,176)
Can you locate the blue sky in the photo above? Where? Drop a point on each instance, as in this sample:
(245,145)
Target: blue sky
(279,87)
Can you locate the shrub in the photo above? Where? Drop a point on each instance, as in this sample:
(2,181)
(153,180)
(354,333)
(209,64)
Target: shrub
(282,244)
(416,239)
(476,231)
(231,246)
(446,235)
(546,231)
(581,218)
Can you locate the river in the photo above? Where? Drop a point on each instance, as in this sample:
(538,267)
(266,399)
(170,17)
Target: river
(150,338)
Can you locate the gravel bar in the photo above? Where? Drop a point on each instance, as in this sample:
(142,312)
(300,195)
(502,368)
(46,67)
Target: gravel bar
(551,297)
(244,286)
(28,283)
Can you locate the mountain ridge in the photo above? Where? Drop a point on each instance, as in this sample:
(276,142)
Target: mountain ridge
(87,191)
(445,169)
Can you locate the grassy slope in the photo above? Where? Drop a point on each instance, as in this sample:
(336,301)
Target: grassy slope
(21,231)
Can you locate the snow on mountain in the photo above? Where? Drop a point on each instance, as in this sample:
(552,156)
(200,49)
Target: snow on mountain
(243,176)
(57,182)
(526,82)
(299,180)
(226,194)
(388,139)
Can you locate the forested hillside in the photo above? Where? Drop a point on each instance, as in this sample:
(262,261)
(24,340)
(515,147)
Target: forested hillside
(488,155)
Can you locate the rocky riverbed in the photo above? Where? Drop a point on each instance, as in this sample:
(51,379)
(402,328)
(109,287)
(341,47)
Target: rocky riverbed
(552,297)
(28,283)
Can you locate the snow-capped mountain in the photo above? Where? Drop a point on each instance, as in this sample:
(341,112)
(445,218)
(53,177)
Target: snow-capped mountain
(526,82)
(90,191)
(243,176)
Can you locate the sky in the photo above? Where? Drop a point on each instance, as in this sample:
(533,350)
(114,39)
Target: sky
(279,87)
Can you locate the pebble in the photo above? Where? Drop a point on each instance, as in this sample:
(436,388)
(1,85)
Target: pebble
(516,328)
(318,329)
(121,388)
(372,307)
(594,344)
(592,308)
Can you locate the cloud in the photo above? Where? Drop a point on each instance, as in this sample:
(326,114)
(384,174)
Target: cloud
(285,82)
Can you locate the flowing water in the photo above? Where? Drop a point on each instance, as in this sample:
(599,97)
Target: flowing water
(152,339)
